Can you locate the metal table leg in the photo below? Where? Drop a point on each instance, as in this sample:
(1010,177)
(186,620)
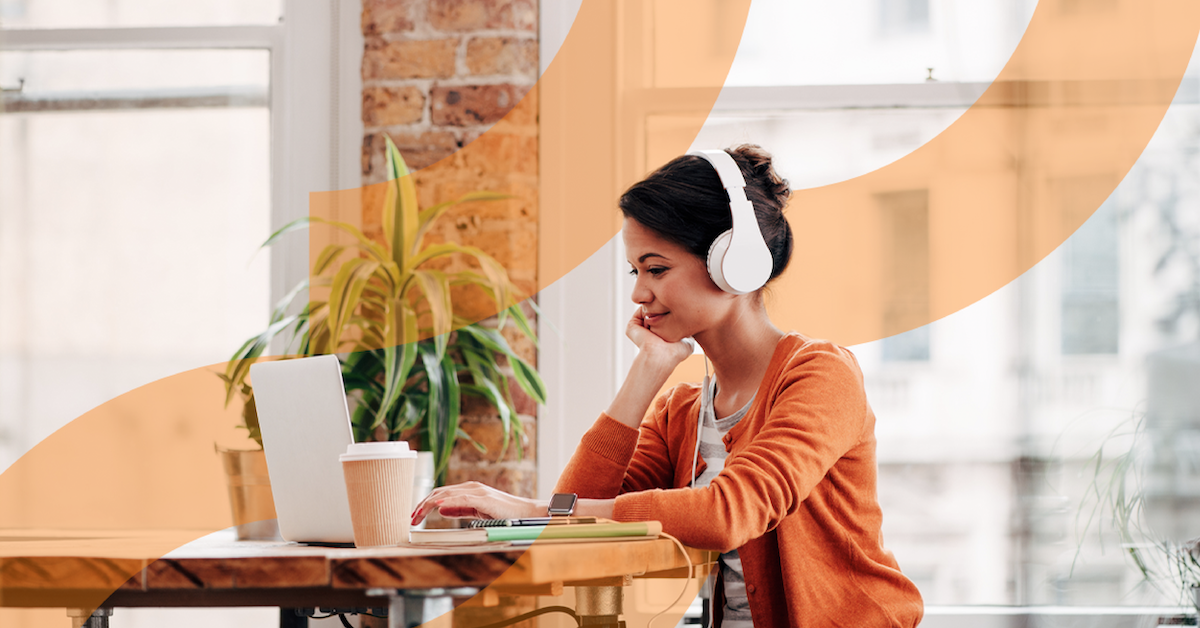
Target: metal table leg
(81,618)
(600,607)
(290,618)
(412,607)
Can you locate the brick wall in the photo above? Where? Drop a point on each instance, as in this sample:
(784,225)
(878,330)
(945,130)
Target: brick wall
(436,75)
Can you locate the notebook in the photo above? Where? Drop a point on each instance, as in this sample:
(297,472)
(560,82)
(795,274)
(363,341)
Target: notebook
(608,531)
(305,426)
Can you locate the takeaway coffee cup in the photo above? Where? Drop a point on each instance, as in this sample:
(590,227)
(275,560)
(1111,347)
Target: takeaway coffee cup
(379,483)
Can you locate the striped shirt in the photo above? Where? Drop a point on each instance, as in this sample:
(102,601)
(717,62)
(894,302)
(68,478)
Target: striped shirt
(736,613)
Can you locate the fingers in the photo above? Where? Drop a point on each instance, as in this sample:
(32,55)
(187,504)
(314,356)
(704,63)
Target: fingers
(459,500)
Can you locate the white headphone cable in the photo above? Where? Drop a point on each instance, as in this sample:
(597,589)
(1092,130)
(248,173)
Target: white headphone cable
(699,428)
(686,583)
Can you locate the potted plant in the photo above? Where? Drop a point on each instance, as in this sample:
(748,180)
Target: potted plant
(1118,497)
(407,354)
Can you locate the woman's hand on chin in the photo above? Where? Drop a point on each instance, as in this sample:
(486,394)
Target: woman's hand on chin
(653,345)
(473,500)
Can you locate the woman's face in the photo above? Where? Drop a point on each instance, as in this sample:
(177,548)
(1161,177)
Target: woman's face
(678,298)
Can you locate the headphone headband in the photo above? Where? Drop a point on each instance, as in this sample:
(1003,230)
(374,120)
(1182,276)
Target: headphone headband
(738,260)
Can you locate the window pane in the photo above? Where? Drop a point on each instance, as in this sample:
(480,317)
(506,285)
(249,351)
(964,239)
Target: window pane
(128,246)
(121,13)
(53,72)
(1089,295)
(877,41)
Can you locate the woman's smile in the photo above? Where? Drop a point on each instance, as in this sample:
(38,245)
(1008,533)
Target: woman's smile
(653,319)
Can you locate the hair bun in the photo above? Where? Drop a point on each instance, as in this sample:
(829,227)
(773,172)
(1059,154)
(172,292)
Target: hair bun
(758,168)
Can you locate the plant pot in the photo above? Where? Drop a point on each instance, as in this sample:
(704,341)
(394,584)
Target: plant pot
(250,494)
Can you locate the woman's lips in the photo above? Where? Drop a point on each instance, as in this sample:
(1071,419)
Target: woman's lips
(651,319)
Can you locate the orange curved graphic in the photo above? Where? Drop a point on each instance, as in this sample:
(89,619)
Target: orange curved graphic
(1002,187)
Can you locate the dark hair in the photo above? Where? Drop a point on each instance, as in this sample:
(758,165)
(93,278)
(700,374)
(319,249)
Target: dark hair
(684,202)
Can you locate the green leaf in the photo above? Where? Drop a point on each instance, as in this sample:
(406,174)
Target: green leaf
(283,304)
(467,437)
(437,411)
(295,225)
(522,322)
(528,379)
(327,257)
(393,382)
(489,390)
(436,289)
(348,285)
(400,211)
(489,338)
(432,252)
(453,398)
(413,411)
(239,367)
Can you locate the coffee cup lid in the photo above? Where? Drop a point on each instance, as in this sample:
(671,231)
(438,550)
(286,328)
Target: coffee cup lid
(377,451)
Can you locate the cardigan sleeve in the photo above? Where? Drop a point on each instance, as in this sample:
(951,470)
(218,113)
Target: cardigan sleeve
(613,458)
(817,413)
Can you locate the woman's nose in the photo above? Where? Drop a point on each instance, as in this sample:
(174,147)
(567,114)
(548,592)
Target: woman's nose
(641,295)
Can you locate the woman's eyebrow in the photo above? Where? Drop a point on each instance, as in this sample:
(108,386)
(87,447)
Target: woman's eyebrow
(648,255)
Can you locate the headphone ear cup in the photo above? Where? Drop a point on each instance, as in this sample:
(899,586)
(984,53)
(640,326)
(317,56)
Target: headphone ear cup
(716,258)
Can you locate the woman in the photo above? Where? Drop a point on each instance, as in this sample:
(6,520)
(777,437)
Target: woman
(771,460)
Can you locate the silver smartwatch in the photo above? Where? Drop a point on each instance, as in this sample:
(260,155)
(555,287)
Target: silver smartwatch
(562,504)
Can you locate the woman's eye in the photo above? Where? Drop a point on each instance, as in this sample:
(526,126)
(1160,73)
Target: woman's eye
(657,271)
(633,271)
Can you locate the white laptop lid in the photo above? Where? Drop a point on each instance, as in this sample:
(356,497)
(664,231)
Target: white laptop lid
(305,427)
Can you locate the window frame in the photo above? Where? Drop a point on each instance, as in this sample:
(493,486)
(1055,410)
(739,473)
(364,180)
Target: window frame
(314,101)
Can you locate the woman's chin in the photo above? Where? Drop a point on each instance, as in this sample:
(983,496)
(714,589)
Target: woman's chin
(667,336)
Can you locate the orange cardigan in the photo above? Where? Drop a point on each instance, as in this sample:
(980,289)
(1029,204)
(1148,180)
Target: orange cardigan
(796,497)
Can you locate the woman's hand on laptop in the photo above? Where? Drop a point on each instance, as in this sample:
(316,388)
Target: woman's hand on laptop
(473,500)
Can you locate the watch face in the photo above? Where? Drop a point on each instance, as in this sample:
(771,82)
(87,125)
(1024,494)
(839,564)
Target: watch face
(562,503)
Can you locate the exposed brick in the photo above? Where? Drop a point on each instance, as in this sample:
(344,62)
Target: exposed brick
(526,111)
(525,245)
(418,149)
(515,478)
(465,15)
(502,55)
(504,153)
(523,347)
(423,58)
(384,106)
(386,16)
(474,104)
(489,431)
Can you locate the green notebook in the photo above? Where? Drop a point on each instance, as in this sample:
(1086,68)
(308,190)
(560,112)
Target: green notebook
(474,536)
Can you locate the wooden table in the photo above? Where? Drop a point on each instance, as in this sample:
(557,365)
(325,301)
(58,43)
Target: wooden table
(106,569)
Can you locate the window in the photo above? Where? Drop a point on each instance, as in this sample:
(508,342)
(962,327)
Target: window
(898,17)
(1090,295)
(983,450)
(146,150)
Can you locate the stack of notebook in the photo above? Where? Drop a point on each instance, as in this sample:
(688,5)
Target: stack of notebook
(527,531)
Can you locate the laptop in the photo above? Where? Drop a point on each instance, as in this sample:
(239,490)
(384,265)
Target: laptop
(305,427)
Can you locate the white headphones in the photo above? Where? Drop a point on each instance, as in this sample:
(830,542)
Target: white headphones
(738,260)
